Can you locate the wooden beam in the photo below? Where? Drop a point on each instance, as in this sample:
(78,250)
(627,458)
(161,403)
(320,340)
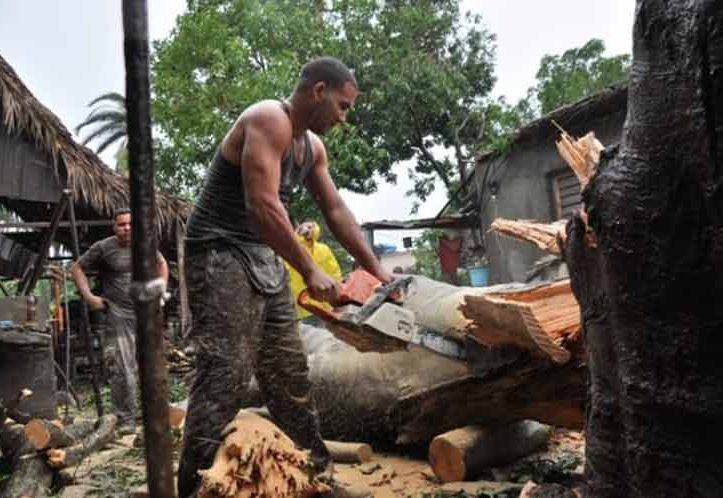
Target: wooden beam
(46,224)
(28,285)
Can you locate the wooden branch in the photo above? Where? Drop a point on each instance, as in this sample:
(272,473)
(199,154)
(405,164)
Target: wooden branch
(544,235)
(462,454)
(72,455)
(8,409)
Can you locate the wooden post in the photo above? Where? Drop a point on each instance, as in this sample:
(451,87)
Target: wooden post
(85,328)
(181,265)
(145,290)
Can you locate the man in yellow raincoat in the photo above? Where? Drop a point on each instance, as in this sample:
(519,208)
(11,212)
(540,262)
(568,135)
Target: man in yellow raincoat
(308,234)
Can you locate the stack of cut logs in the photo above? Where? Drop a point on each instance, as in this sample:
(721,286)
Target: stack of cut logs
(37,448)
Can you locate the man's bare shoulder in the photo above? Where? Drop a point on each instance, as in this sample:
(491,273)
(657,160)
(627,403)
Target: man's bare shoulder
(317,148)
(266,114)
(266,117)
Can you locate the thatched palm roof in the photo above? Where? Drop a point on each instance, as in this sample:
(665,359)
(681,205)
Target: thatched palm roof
(97,189)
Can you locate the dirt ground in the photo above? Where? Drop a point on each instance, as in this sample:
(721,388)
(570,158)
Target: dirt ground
(119,472)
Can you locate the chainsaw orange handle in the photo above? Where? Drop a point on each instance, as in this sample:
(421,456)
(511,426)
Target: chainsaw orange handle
(310,305)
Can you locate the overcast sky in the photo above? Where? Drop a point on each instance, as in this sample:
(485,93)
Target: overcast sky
(69,52)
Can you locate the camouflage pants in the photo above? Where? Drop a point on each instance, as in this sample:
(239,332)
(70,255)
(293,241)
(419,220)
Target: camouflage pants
(238,332)
(120,356)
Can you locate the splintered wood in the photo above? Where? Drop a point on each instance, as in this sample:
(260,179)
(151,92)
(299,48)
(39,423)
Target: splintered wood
(256,459)
(543,235)
(544,320)
(582,154)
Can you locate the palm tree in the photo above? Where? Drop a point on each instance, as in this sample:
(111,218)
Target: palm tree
(109,116)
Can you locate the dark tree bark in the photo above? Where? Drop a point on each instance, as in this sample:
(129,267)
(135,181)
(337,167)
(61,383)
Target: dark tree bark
(651,290)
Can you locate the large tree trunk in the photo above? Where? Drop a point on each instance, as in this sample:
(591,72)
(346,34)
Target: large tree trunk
(650,291)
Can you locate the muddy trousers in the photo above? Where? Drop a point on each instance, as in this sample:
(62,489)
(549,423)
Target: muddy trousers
(122,366)
(238,332)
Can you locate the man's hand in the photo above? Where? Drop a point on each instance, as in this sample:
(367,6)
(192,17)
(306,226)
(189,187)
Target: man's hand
(384,275)
(322,287)
(95,302)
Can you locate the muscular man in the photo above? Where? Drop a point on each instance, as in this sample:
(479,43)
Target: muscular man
(243,315)
(110,258)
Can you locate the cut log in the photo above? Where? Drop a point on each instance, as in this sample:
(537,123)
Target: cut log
(349,452)
(92,442)
(257,459)
(543,320)
(44,434)
(462,454)
(30,476)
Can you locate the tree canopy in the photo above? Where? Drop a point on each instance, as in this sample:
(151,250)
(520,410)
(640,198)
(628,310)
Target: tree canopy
(577,73)
(424,67)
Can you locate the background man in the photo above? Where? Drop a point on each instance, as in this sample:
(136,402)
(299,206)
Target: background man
(110,258)
(243,315)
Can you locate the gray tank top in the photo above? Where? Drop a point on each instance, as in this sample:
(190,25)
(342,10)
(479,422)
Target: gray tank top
(221,219)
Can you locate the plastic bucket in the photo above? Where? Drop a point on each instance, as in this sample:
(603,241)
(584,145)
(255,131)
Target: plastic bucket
(479,276)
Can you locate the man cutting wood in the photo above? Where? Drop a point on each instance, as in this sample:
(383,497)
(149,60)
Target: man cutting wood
(242,311)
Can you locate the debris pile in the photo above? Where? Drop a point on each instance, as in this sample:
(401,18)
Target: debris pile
(256,459)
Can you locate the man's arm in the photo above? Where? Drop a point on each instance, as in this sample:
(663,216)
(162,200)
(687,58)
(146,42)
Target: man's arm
(340,219)
(162,268)
(81,282)
(267,134)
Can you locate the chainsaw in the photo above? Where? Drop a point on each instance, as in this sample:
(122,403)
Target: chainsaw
(371,317)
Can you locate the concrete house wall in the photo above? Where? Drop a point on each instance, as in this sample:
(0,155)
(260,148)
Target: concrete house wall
(520,184)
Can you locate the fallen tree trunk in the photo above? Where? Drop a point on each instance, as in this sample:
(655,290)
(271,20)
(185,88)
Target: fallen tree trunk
(410,397)
(90,443)
(650,291)
(462,454)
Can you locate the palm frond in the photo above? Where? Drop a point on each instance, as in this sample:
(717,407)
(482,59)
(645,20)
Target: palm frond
(106,129)
(111,96)
(94,117)
(108,141)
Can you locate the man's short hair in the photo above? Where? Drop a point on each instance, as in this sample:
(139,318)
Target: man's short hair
(331,71)
(120,211)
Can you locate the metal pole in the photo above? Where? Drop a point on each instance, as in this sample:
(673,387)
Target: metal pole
(145,291)
(85,328)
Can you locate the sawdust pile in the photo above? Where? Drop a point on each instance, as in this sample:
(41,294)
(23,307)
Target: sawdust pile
(256,459)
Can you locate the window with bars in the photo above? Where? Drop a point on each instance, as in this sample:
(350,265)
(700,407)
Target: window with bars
(566,194)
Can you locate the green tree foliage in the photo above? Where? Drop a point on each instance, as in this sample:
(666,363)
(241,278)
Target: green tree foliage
(424,68)
(108,120)
(577,73)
